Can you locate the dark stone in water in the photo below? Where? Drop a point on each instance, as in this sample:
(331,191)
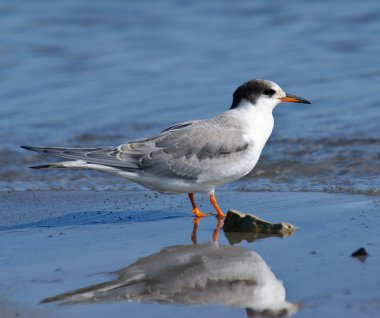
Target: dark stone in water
(361,254)
(241,222)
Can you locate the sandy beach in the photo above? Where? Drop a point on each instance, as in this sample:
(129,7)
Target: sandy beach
(54,242)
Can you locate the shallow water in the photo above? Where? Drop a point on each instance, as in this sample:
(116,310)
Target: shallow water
(82,74)
(58,241)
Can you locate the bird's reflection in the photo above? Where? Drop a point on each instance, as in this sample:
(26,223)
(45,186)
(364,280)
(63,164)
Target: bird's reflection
(197,274)
(195,230)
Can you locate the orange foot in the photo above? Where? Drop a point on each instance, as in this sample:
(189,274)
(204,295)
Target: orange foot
(219,212)
(198,213)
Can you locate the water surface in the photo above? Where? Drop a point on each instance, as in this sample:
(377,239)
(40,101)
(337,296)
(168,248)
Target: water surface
(79,73)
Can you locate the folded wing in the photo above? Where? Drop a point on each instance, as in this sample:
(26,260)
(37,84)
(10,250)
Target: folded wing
(182,150)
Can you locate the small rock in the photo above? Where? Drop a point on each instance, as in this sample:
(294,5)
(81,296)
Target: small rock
(361,254)
(241,222)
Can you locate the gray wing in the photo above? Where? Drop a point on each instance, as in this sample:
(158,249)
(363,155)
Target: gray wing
(186,149)
(180,150)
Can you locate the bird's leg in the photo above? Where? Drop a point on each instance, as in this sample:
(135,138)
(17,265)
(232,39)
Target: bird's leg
(195,208)
(195,229)
(216,231)
(219,212)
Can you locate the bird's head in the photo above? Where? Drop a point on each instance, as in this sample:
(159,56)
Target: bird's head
(263,93)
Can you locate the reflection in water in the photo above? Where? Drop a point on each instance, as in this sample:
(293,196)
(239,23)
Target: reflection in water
(194,275)
(237,237)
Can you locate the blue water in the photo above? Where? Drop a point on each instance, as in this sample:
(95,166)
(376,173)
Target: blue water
(86,73)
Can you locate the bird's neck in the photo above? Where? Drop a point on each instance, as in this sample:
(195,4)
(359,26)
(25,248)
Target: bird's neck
(256,120)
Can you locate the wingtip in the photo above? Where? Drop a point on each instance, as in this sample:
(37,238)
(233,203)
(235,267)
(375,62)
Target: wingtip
(29,148)
(32,148)
(41,167)
(48,300)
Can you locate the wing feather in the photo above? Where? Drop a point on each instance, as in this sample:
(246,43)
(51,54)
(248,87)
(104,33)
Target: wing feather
(184,150)
(187,151)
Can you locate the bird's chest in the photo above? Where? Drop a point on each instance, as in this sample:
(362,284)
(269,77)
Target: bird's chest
(258,130)
(257,134)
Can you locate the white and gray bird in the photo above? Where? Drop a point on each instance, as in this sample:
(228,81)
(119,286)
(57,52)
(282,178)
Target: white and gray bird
(205,274)
(194,156)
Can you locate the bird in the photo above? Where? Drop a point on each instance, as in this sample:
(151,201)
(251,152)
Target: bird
(194,156)
(193,275)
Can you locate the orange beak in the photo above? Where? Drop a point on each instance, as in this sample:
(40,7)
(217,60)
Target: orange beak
(294,99)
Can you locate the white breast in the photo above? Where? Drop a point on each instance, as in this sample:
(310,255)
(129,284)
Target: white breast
(257,123)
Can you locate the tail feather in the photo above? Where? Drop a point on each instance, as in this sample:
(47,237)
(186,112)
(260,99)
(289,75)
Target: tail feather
(76,164)
(107,156)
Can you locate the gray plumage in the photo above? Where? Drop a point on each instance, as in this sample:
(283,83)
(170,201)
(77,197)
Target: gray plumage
(177,151)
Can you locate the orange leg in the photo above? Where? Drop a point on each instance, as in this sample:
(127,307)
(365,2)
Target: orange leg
(216,231)
(195,208)
(219,212)
(195,229)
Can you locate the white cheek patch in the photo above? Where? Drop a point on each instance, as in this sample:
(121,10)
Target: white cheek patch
(267,102)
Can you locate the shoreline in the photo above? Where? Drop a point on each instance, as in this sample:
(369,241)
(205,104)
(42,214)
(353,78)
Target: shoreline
(56,241)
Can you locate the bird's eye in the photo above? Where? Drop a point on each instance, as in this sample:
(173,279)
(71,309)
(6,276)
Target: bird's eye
(269,92)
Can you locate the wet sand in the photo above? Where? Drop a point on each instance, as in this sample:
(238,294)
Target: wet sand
(56,241)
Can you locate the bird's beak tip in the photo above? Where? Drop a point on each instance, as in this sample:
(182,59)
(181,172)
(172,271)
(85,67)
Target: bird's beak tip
(294,99)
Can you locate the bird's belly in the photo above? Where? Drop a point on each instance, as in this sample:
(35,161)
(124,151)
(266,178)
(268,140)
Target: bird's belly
(215,175)
(214,172)
(175,185)
(233,169)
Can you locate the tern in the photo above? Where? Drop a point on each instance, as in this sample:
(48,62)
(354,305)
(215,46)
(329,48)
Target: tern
(193,275)
(194,156)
